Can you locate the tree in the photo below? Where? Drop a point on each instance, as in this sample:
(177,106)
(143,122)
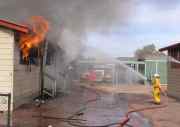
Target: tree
(145,51)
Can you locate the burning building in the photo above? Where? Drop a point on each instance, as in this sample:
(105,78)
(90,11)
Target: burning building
(19,73)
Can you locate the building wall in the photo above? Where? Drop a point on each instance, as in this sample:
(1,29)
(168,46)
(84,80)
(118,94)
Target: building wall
(174,81)
(15,78)
(26,82)
(6,64)
(161,66)
(138,66)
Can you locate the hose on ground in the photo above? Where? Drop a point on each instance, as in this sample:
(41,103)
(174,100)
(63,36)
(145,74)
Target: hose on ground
(71,120)
(127,116)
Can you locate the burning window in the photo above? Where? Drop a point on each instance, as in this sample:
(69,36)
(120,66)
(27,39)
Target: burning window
(30,42)
(33,57)
(35,53)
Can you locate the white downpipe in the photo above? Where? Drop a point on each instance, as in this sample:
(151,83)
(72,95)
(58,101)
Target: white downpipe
(156,67)
(114,76)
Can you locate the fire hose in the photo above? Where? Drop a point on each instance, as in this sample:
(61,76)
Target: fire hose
(77,122)
(126,117)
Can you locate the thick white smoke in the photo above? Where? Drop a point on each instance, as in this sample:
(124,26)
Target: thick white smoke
(70,20)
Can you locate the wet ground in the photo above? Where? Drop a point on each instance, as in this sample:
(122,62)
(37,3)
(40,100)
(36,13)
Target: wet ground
(82,107)
(140,97)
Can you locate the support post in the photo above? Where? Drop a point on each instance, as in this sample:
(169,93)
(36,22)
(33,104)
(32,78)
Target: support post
(9,111)
(42,67)
(41,75)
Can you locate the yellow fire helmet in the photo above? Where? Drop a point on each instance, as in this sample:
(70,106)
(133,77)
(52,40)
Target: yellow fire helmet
(156,75)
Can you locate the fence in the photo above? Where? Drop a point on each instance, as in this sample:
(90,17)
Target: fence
(5,109)
(109,73)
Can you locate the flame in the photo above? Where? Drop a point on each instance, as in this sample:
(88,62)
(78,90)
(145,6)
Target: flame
(40,27)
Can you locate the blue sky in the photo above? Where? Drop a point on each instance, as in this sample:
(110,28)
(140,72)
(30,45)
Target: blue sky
(153,21)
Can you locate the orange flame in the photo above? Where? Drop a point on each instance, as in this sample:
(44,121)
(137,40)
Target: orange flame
(40,27)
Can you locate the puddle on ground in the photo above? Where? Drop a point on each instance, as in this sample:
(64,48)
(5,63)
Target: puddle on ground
(97,108)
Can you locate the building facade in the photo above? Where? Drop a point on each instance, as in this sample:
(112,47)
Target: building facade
(15,78)
(157,65)
(148,67)
(173,69)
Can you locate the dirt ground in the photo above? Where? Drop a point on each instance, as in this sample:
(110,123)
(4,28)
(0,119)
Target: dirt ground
(83,107)
(140,97)
(99,106)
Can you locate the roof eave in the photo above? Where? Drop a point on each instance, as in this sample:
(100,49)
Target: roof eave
(14,26)
(169,47)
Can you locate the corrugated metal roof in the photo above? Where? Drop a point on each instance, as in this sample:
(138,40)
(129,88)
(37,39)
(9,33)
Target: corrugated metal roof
(14,26)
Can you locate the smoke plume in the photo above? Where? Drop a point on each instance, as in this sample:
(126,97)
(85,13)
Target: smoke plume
(70,20)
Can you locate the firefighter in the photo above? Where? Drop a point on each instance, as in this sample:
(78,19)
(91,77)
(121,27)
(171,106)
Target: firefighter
(156,88)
